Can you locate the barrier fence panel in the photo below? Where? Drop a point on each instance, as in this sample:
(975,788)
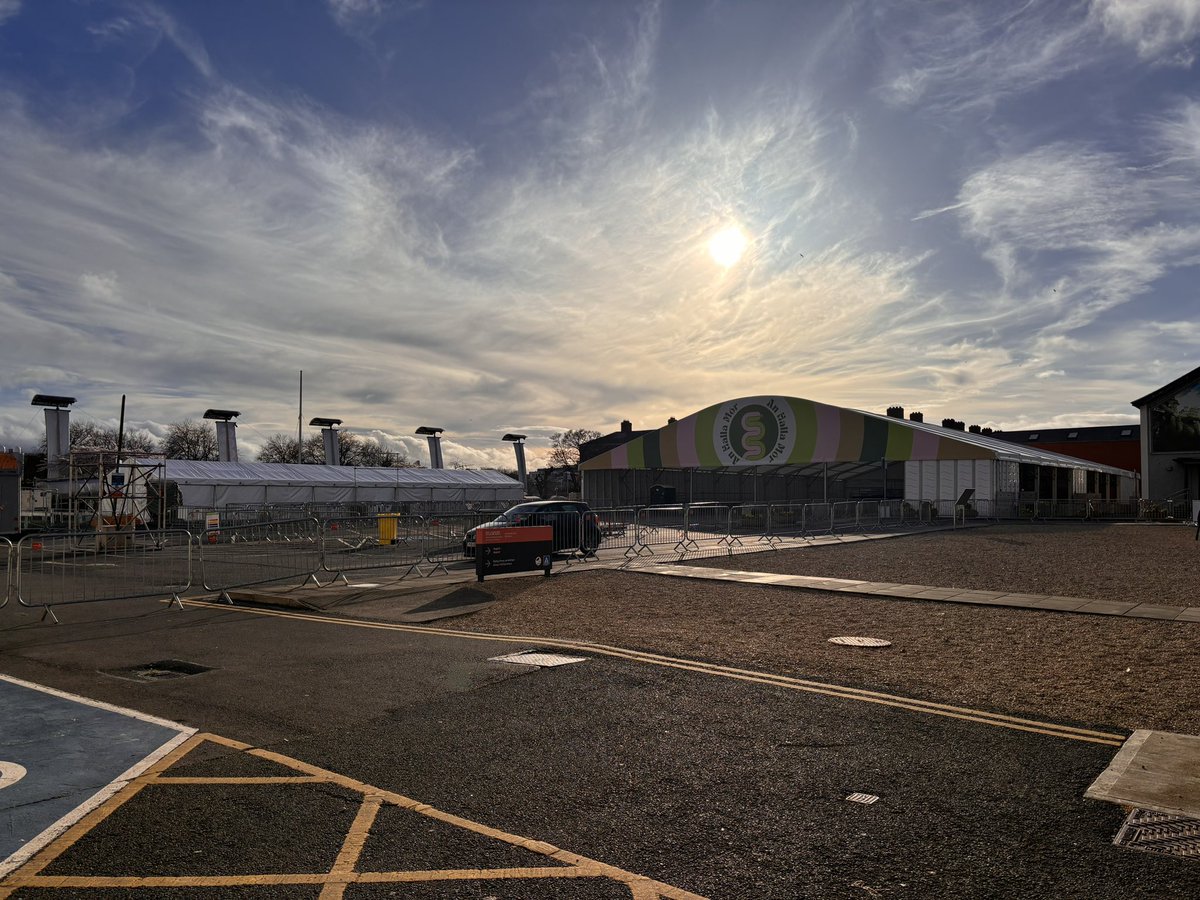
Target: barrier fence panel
(7,560)
(246,555)
(384,541)
(817,519)
(618,527)
(660,526)
(869,515)
(88,566)
(439,539)
(706,523)
(891,513)
(843,516)
(786,520)
(750,520)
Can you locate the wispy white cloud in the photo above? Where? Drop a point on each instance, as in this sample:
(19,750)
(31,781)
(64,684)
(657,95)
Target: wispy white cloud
(417,280)
(1163,31)
(9,9)
(962,56)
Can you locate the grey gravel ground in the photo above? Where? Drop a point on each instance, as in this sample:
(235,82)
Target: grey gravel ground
(1095,670)
(1154,563)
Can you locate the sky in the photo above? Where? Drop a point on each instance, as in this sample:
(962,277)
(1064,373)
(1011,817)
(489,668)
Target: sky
(532,215)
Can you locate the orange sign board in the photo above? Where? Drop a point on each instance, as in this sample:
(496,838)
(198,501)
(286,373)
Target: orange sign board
(514,535)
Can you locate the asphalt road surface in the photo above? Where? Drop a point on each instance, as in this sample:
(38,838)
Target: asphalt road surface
(703,783)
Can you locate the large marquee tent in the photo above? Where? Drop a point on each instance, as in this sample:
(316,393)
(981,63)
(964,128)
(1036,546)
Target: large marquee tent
(221,484)
(782,449)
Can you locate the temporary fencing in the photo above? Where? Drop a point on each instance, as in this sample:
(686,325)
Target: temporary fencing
(247,555)
(785,520)
(659,526)
(751,521)
(7,560)
(384,541)
(440,539)
(707,523)
(88,566)
(617,526)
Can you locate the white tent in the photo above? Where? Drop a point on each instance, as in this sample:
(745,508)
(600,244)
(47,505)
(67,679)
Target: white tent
(219,484)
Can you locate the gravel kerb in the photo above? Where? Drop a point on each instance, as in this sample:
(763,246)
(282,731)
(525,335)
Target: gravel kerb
(1088,670)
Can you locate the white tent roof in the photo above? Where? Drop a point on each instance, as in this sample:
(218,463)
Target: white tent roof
(211,484)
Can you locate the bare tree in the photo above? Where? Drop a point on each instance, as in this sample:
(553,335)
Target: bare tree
(281,448)
(190,439)
(353,449)
(564,446)
(94,436)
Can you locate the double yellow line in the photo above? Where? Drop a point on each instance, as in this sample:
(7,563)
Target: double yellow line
(766,678)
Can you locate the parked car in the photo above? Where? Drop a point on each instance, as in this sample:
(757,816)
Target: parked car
(575,526)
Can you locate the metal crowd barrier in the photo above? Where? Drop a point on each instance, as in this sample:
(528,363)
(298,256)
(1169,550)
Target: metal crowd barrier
(9,567)
(383,541)
(89,566)
(843,516)
(440,539)
(617,525)
(246,555)
(750,520)
(784,520)
(705,522)
(659,526)
(817,518)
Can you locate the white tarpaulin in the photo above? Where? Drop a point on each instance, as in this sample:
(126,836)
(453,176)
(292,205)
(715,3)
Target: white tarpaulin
(217,484)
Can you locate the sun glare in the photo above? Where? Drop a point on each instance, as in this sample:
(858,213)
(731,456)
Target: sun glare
(727,246)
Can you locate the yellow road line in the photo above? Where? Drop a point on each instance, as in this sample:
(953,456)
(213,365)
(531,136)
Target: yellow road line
(352,848)
(983,717)
(342,874)
(238,779)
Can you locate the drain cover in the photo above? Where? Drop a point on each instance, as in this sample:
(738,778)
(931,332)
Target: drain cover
(860,642)
(538,658)
(864,799)
(161,670)
(1157,832)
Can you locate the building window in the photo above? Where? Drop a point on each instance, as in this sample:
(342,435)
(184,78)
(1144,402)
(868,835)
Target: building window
(1175,422)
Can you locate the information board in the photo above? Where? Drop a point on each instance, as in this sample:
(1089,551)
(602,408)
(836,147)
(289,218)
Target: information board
(499,551)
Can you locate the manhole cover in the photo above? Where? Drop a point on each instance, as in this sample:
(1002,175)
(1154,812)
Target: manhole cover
(538,658)
(860,642)
(1157,832)
(161,670)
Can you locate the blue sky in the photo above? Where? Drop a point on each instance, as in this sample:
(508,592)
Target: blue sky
(496,216)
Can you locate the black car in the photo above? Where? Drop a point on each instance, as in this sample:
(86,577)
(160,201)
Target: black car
(575,525)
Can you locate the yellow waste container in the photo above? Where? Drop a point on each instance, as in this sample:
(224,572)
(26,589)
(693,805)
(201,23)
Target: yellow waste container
(387,527)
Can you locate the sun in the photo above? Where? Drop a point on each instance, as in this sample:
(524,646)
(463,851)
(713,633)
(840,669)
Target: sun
(727,245)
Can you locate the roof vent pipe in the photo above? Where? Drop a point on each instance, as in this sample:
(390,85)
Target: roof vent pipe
(58,432)
(226,433)
(329,438)
(435,445)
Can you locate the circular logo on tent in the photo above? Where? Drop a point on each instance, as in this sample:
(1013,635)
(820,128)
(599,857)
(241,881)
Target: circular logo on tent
(754,431)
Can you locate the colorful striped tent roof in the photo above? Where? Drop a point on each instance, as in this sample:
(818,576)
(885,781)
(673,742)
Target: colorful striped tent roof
(781,431)
(789,431)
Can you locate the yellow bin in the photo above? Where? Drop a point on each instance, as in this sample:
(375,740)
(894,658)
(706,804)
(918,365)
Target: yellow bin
(387,527)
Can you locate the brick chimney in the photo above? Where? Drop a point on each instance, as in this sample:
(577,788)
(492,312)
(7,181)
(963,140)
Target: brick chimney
(895,412)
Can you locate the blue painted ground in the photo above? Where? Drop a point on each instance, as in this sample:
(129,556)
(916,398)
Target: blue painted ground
(70,750)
